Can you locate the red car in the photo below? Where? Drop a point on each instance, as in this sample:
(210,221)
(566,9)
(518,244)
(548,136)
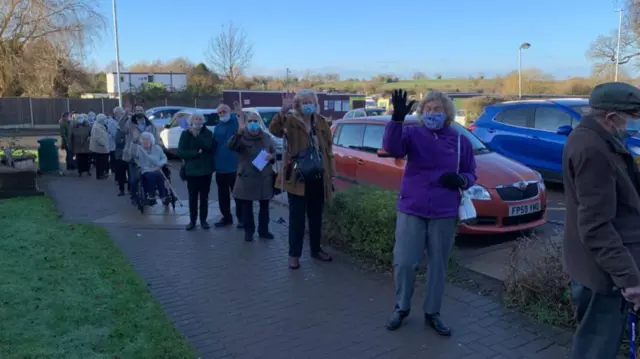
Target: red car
(508,196)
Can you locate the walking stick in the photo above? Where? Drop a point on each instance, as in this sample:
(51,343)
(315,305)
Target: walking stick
(166,180)
(633,319)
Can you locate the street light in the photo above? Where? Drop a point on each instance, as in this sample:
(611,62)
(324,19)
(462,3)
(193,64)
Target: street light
(523,46)
(619,11)
(115,37)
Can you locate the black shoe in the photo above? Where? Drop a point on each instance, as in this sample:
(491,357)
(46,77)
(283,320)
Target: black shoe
(121,194)
(322,256)
(204,225)
(434,321)
(248,237)
(191,226)
(266,235)
(240,225)
(223,223)
(396,319)
(167,201)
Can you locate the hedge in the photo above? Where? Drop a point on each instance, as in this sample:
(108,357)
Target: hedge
(361,221)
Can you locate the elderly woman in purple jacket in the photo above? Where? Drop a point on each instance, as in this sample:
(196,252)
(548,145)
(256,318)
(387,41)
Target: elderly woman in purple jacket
(427,218)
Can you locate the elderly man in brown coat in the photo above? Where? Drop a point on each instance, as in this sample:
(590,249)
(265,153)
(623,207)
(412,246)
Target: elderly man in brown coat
(602,226)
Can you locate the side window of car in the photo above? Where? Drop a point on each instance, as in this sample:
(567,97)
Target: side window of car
(550,118)
(372,141)
(336,134)
(360,113)
(351,136)
(211,119)
(349,115)
(179,119)
(520,116)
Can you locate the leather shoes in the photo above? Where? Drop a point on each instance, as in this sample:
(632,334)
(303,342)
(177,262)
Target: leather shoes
(396,319)
(265,235)
(434,321)
(191,226)
(248,237)
(223,223)
(204,225)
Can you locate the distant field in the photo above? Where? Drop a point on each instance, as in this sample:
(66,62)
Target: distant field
(460,84)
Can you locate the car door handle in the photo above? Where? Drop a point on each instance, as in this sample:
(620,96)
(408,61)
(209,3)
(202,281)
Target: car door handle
(360,162)
(535,137)
(491,130)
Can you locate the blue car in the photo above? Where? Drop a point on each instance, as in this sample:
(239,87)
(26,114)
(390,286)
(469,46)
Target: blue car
(532,132)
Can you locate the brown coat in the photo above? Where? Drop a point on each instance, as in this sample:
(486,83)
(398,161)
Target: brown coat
(79,139)
(297,140)
(251,183)
(602,226)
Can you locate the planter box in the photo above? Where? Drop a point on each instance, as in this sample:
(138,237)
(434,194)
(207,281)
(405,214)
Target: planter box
(16,182)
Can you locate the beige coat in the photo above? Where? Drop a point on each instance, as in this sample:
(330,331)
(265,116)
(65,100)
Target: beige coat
(251,183)
(99,140)
(297,139)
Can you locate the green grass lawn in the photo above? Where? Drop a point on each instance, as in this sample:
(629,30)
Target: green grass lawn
(66,291)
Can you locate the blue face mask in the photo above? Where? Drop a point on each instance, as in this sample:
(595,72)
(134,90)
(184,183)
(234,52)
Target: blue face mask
(141,125)
(253,126)
(434,120)
(308,109)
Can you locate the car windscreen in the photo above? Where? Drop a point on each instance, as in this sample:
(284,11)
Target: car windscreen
(267,117)
(375,112)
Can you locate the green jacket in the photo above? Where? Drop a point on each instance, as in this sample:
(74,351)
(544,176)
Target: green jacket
(64,133)
(196,152)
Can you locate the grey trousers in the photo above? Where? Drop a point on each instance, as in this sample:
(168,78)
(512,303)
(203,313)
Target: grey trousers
(601,321)
(413,236)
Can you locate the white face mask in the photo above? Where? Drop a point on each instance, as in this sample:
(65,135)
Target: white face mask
(225,118)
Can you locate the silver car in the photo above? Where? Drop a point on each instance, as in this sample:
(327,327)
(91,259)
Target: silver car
(266,114)
(160,116)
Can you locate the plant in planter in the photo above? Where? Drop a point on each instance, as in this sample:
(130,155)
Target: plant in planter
(11,156)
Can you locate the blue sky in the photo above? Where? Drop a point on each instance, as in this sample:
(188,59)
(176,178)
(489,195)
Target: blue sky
(359,38)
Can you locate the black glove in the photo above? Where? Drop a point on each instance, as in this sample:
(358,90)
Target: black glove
(400,106)
(451,181)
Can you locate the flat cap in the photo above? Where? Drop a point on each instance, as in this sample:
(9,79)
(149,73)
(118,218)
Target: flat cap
(616,96)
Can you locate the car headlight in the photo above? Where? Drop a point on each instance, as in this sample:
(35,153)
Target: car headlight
(478,193)
(541,184)
(635,150)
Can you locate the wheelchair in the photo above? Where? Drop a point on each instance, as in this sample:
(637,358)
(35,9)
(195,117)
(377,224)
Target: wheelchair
(142,197)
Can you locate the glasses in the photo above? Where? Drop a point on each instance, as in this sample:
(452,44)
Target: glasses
(222,112)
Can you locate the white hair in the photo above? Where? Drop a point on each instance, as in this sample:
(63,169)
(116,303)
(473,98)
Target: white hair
(223,106)
(447,103)
(305,94)
(149,136)
(118,112)
(101,118)
(253,115)
(195,116)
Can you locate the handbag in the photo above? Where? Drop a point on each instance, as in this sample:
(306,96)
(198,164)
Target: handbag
(308,164)
(183,172)
(466,209)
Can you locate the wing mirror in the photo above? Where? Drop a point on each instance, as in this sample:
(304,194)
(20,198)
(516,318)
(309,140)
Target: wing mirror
(168,125)
(383,154)
(564,130)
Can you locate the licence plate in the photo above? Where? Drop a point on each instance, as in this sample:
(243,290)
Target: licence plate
(522,209)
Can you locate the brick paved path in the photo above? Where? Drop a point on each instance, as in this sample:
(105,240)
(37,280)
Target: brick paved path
(233,299)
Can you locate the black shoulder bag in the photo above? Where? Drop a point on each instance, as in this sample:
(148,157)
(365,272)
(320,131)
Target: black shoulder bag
(308,163)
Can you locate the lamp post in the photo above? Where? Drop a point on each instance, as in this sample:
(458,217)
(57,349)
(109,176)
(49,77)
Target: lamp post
(115,37)
(523,46)
(619,11)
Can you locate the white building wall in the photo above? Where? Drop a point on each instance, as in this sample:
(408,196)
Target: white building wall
(131,81)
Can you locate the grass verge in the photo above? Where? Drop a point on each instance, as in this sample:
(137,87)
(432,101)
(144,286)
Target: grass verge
(68,292)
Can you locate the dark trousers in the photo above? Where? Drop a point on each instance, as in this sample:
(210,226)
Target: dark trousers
(131,173)
(112,161)
(263,216)
(68,159)
(82,162)
(198,187)
(102,164)
(152,182)
(225,183)
(310,206)
(601,321)
(121,169)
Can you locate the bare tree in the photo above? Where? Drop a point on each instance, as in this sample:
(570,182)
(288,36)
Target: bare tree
(42,41)
(230,53)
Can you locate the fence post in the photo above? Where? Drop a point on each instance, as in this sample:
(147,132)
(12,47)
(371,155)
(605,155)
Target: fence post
(33,122)
(165,102)
(102,103)
(68,105)
(195,102)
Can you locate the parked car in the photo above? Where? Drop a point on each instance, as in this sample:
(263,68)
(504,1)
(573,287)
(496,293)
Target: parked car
(508,196)
(532,132)
(461,117)
(160,116)
(364,112)
(266,114)
(170,135)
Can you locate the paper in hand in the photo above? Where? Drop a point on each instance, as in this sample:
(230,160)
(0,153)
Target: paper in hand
(261,160)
